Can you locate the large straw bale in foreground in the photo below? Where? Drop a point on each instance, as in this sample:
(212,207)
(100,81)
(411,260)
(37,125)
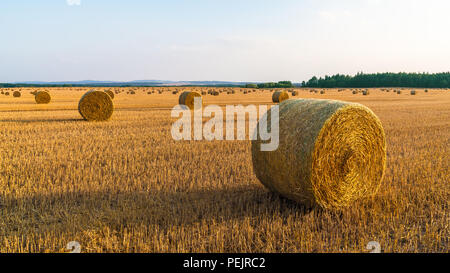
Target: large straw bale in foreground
(42,97)
(17,94)
(330,153)
(187,98)
(96,106)
(280,96)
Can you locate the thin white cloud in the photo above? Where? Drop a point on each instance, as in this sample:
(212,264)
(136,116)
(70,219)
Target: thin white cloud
(333,15)
(374,2)
(73,2)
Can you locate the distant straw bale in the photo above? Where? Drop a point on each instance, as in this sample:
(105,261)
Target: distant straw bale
(42,97)
(96,106)
(187,98)
(280,96)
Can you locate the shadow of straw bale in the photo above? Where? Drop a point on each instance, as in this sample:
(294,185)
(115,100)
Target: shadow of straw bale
(41,120)
(73,212)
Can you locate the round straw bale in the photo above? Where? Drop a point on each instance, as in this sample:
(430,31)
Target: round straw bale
(110,93)
(96,106)
(413,92)
(330,153)
(42,97)
(17,94)
(294,93)
(365,92)
(280,96)
(426,90)
(399,92)
(6,93)
(187,98)
(322,91)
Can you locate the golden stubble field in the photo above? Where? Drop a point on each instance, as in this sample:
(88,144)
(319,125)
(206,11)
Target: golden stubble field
(126,186)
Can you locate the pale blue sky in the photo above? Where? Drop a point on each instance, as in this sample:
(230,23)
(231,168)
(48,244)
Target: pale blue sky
(235,40)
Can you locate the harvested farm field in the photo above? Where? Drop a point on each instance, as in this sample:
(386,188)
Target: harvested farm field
(125,185)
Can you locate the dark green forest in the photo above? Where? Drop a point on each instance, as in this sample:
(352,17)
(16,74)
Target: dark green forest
(361,80)
(281,84)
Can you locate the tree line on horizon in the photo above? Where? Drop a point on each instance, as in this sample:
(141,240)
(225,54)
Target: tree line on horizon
(280,84)
(361,80)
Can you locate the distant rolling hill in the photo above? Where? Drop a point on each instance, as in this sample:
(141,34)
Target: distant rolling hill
(137,83)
